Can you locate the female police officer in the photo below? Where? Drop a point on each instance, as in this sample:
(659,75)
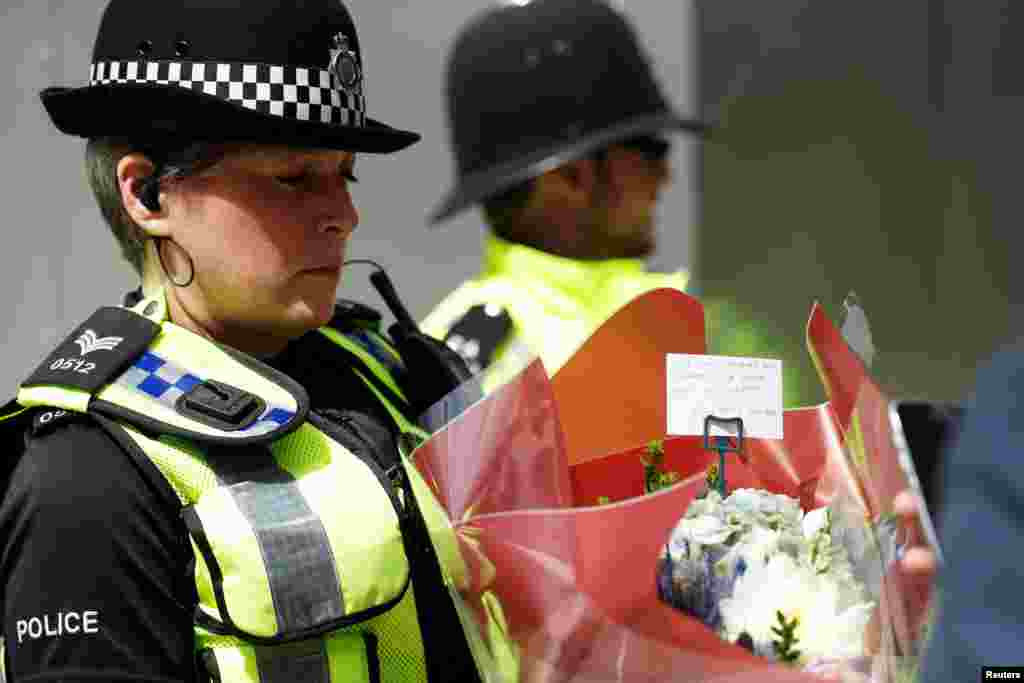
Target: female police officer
(181,510)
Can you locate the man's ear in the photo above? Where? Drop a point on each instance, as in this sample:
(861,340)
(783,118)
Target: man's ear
(140,197)
(577,181)
(612,170)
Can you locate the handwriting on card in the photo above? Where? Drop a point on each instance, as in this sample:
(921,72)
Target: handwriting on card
(727,387)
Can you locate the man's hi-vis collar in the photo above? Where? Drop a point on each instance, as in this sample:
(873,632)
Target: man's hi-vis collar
(135,365)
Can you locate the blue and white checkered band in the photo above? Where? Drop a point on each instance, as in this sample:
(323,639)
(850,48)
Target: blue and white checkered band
(298,93)
(160,380)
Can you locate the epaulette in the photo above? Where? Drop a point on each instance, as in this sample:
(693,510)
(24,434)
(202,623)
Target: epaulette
(160,378)
(478,334)
(349,314)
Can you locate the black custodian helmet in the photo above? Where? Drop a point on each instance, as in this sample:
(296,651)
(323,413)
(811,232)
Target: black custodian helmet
(280,71)
(531,85)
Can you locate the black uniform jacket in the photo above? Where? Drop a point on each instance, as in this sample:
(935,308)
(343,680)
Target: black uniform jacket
(95,560)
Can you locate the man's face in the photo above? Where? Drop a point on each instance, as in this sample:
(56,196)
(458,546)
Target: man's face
(633,175)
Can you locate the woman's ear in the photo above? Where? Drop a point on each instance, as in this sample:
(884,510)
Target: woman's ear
(140,194)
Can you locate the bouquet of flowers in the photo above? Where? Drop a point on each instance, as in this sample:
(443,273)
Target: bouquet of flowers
(577,555)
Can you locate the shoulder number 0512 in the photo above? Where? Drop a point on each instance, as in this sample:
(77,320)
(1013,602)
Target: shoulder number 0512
(73,364)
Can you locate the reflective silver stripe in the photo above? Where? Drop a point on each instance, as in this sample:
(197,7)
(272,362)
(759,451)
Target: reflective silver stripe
(3,661)
(297,555)
(303,662)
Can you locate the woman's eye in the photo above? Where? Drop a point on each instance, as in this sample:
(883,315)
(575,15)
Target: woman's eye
(299,180)
(292,180)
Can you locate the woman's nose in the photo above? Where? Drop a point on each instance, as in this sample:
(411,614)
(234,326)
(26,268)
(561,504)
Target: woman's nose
(341,214)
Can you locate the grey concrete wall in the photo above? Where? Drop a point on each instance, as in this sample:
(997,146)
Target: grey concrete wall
(58,263)
(869,146)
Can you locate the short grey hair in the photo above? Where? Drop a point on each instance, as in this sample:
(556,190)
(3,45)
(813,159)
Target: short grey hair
(172,160)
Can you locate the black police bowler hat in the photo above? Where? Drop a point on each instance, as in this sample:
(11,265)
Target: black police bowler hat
(272,71)
(531,85)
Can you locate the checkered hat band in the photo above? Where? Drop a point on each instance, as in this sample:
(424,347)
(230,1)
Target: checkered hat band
(298,93)
(157,379)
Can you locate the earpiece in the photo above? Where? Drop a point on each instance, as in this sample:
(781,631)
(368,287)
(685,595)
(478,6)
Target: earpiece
(148,192)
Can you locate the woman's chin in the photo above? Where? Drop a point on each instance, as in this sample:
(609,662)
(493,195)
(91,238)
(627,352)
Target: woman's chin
(321,309)
(316,293)
(310,313)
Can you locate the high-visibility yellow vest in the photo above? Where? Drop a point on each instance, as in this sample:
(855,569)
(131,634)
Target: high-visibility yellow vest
(301,567)
(554,303)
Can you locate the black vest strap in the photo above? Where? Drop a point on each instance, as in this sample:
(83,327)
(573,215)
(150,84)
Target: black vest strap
(448,658)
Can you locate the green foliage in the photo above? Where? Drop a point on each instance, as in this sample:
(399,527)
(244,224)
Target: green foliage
(711,479)
(655,478)
(822,551)
(655,453)
(786,639)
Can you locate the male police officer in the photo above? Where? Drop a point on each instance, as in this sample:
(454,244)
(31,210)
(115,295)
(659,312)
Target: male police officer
(557,125)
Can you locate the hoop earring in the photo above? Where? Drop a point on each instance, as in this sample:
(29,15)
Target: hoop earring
(160,241)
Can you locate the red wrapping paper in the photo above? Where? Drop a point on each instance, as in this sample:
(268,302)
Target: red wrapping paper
(519,474)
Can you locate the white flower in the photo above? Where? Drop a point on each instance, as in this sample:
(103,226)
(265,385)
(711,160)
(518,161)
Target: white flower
(758,546)
(749,500)
(825,628)
(815,521)
(709,505)
(764,504)
(707,530)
